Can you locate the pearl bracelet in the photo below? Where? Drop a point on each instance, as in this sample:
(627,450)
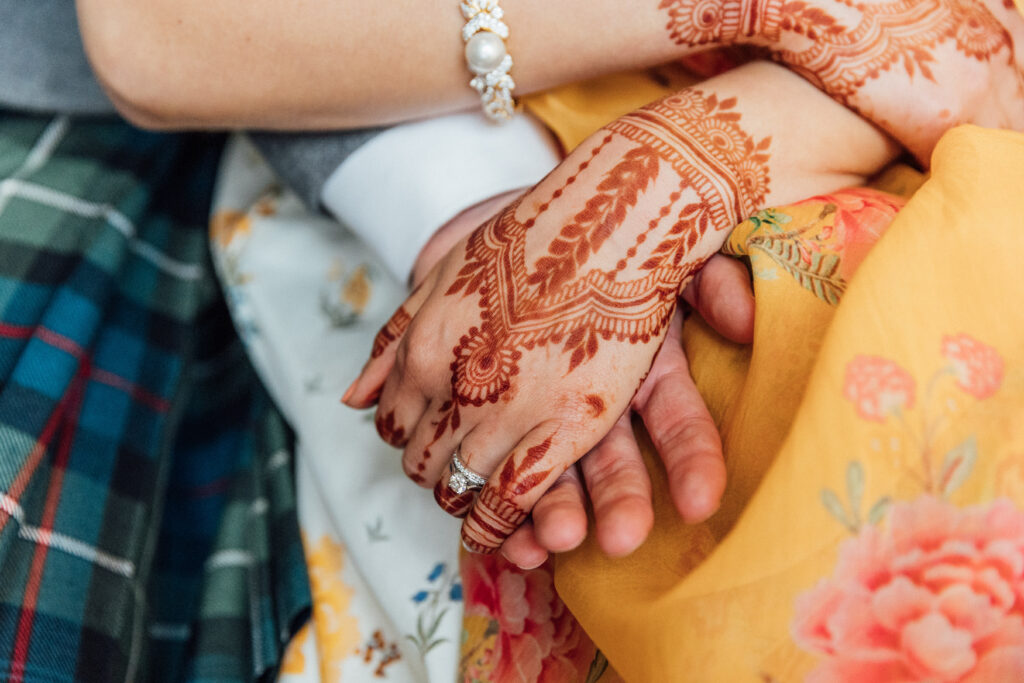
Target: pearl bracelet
(486,56)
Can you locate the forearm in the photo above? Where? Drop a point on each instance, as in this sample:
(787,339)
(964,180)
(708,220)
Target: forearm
(341,63)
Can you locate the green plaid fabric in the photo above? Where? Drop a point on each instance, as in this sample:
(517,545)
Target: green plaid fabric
(147,512)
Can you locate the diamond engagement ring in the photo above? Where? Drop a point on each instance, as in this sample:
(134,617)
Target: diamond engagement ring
(462,478)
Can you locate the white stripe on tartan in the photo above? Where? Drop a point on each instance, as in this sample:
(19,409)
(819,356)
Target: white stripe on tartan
(44,147)
(278,459)
(259,507)
(223,559)
(81,207)
(65,543)
(12,507)
(41,151)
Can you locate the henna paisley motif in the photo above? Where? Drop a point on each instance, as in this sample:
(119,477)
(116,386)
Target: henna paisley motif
(483,367)
(561,299)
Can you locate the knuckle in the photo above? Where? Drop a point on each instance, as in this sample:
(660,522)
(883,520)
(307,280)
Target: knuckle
(389,429)
(415,468)
(614,469)
(696,435)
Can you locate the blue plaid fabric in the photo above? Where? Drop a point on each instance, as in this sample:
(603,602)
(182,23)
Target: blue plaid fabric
(147,513)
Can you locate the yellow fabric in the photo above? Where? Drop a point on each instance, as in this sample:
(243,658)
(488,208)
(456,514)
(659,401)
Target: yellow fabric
(716,602)
(573,112)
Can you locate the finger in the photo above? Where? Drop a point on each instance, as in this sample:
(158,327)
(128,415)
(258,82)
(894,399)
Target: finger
(399,410)
(366,388)
(522,548)
(684,435)
(560,516)
(433,441)
(721,293)
(620,490)
(511,492)
(480,450)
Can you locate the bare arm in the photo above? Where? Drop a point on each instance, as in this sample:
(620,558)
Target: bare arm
(321,64)
(914,68)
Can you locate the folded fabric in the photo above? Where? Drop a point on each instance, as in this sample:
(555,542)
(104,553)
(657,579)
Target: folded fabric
(872,526)
(147,516)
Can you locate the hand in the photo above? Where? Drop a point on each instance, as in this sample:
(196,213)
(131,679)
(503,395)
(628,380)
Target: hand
(577,284)
(914,68)
(687,440)
(674,413)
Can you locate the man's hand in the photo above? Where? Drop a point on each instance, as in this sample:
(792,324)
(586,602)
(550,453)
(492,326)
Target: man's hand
(527,343)
(614,476)
(674,413)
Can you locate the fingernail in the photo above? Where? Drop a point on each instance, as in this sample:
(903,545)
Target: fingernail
(351,390)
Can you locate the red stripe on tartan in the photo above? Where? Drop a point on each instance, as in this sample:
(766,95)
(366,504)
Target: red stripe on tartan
(35,455)
(23,638)
(157,403)
(154,401)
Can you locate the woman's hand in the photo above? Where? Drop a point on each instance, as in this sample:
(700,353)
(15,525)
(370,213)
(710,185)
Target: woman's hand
(914,68)
(525,345)
(614,475)
(673,411)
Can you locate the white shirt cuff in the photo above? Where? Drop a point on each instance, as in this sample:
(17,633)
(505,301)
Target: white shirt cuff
(397,189)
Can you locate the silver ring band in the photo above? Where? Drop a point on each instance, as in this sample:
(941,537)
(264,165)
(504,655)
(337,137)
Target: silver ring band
(462,478)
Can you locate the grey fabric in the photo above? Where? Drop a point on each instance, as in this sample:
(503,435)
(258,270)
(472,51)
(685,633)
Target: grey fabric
(304,161)
(42,63)
(43,68)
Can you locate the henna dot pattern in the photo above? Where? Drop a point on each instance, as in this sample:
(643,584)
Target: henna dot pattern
(576,298)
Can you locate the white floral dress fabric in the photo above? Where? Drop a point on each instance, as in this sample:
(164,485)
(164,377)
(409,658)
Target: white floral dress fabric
(307,298)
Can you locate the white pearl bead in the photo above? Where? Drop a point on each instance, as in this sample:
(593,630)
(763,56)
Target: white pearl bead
(484,52)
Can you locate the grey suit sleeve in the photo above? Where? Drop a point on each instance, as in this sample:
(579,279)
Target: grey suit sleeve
(304,161)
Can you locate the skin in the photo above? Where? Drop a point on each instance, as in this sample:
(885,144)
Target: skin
(613,472)
(959,66)
(261,64)
(417,384)
(342,63)
(190,72)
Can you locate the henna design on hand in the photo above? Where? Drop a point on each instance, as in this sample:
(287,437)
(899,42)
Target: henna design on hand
(842,45)
(496,513)
(567,298)
(392,331)
(904,33)
(391,433)
(699,137)
(842,57)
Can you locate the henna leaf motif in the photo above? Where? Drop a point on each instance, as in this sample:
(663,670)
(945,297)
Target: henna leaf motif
(514,478)
(591,227)
(717,162)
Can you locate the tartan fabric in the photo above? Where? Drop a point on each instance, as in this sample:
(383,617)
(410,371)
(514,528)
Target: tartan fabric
(144,473)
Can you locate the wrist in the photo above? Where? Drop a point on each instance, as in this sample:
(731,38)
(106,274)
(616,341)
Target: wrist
(449,234)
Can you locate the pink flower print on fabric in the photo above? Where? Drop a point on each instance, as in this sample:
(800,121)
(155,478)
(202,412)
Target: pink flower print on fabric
(978,367)
(878,387)
(938,595)
(538,638)
(862,215)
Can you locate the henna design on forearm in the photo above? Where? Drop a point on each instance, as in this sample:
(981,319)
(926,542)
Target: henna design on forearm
(840,45)
(566,299)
